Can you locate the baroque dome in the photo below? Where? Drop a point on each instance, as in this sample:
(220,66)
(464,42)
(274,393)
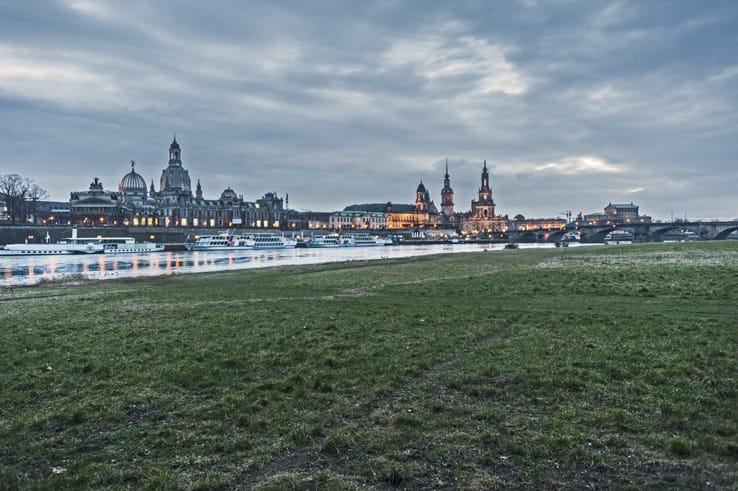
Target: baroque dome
(132,183)
(175,178)
(228,194)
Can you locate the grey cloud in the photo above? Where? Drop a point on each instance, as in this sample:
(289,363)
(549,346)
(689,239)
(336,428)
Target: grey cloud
(336,103)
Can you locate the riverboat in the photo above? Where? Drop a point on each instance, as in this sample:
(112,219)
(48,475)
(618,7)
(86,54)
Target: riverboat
(270,241)
(617,237)
(330,240)
(68,246)
(224,241)
(122,245)
(360,240)
(680,236)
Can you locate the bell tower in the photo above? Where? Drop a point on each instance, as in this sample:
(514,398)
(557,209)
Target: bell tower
(484,207)
(447,195)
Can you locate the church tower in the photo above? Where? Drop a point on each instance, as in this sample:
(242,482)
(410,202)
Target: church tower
(484,207)
(198,191)
(421,198)
(447,196)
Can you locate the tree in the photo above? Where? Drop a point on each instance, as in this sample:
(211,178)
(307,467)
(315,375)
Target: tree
(35,194)
(21,196)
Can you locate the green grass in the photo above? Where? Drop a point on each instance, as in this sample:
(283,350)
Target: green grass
(584,367)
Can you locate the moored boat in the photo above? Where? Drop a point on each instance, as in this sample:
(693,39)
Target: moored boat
(360,240)
(122,245)
(68,246)
(224,241)
(330,240)
(680,236)
(270,241)
(617,237)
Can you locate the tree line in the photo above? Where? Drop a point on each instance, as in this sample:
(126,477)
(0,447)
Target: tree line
(21,196)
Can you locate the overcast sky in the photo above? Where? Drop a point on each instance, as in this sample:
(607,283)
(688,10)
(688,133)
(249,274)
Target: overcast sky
(573,103)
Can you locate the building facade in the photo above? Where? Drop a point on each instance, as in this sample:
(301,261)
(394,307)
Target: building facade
(97,206)
(616,214)
(482,218)
(173,205)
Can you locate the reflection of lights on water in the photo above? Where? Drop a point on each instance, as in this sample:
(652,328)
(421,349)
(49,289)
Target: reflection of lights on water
(26,270)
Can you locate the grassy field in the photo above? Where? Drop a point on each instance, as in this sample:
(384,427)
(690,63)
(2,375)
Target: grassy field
(604,367)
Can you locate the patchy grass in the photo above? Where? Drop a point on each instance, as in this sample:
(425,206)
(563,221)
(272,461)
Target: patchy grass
(587,367)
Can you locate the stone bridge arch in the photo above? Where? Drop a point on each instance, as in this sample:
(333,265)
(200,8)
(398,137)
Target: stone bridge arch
(656,234)
(723,234)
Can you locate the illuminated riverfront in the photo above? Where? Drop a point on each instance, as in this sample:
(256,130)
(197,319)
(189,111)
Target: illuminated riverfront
(34,270)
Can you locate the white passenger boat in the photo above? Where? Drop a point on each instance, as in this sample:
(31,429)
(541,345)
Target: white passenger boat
(270,241)
(125,245)
(68,246)
(224,241)
(680,236)
(360,240)
(330,240)
(617,237)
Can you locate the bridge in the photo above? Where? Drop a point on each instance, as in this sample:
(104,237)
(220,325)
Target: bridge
(645,232)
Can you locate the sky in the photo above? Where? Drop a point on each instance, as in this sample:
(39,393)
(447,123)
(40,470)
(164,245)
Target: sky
(573,104)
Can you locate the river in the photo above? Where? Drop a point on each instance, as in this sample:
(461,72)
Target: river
(31,270)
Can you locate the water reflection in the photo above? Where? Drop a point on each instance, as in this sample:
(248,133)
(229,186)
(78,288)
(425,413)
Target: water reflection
(29,270)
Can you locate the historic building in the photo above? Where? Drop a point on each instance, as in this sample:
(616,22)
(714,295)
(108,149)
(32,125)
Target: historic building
(173,205)
(422,214)
(616,214)
(97,206)
(448,217)
(482,218)
(366,220)
(141,207)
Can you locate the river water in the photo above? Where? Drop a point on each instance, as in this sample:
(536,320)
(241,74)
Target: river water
(31,270)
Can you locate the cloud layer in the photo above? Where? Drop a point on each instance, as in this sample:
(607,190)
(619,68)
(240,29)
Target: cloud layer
(573,104)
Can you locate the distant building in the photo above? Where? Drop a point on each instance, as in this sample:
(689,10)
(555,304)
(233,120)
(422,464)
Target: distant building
(482,218)
(97,206)
(174,204)
(305,220)
(448,217)
(522,224)
(616,214)
(361,220)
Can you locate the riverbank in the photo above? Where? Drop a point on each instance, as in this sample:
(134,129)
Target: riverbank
(579,367)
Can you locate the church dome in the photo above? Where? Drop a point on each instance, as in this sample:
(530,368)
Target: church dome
(228,194)
(132,183)
(421,187)
(174,178)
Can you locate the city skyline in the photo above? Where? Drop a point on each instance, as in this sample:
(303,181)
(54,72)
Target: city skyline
(572,104)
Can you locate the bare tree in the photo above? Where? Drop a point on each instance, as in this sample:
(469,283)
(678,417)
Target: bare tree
(21,196)
(35,194)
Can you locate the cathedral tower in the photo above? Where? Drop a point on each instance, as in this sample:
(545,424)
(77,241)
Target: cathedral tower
(484,207)
(447,195)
